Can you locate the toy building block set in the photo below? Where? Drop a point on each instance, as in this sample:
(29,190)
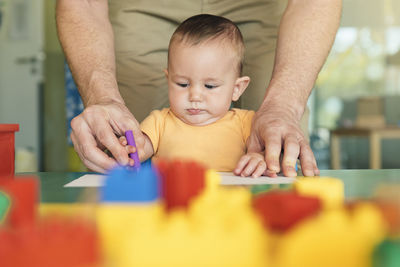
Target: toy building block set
(175,213)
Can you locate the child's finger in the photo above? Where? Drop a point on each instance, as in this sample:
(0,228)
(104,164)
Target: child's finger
(122,140)
(241,164)
(261,167)
(250,167)
(130,149)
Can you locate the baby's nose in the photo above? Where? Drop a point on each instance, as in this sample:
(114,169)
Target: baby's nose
(195,93)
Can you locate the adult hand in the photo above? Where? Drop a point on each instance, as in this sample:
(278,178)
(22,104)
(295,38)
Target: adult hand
(97,128)
(277,129)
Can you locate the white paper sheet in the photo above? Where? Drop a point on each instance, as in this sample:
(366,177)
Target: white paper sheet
(88,180)
(227,178)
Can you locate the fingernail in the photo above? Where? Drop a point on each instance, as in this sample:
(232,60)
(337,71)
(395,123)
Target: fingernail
(274,170)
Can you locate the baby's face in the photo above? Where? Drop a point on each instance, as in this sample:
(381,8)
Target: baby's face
(201,80)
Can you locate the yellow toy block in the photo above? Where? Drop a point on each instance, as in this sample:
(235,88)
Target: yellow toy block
(329,190)
(68,210)
(337,237)
(219,228)
(117,221)
(213,181)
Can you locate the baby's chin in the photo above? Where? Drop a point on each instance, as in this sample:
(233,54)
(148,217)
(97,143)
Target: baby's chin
(202,119)
(198,120)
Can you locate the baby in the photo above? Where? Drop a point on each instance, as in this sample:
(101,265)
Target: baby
(204,76)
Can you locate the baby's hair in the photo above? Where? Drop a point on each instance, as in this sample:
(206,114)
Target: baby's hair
(203,27)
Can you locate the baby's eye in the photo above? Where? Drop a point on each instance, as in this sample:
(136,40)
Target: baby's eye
(183,84)
(209,86)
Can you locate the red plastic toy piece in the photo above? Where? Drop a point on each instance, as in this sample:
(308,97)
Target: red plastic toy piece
(281,210)
(180,182)
(52,242)
(24,193)
(7,149)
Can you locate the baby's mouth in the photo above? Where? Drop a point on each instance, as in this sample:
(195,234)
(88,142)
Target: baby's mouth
(193,111)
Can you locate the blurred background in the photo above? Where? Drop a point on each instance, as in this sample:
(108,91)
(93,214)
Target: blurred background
(358,88)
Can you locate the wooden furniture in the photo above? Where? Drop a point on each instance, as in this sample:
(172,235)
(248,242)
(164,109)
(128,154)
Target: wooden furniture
(370,112)
(375,136)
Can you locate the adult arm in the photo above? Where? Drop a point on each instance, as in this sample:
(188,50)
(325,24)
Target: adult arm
(306,34)
(87,39)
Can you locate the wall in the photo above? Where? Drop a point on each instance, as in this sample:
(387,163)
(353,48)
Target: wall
(55,141)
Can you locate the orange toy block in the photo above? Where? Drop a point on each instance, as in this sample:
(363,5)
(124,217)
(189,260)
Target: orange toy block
(23,192)
(7,150)
(54,241)
(180,182)
(280,210)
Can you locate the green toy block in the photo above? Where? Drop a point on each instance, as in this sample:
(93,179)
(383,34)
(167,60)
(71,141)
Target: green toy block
(4,206)
(387,254)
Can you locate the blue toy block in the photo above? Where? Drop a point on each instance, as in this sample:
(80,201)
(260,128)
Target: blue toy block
(126,185)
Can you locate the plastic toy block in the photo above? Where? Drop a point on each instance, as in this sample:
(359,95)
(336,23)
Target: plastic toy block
(391,213)
(120,224)
(124,185)
(387,254)
(336,237)
(5,204)
(51,242)
(180,181)
(263,188)
(329,190)
(7,149)
(23,192)
(388,199)
(84,210)
(212,181)
(281,210)
(218,228)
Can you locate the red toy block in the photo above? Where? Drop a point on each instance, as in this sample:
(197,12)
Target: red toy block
(282,210)
(391,213)
(54,241)
(180,182)
(24,193)
(7,149)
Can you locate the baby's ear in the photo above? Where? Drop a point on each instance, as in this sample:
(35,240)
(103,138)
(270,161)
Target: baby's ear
(240,85)
(166,73)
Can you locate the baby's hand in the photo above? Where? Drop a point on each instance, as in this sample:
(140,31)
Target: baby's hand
(251,164)
(129,149)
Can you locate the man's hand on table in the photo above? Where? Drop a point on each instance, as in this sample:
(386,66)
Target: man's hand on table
(277,130)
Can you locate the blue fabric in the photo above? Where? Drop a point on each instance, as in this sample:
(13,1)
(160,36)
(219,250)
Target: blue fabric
(73,101)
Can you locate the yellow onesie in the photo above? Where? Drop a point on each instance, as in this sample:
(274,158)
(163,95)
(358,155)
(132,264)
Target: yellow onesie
(218,145)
